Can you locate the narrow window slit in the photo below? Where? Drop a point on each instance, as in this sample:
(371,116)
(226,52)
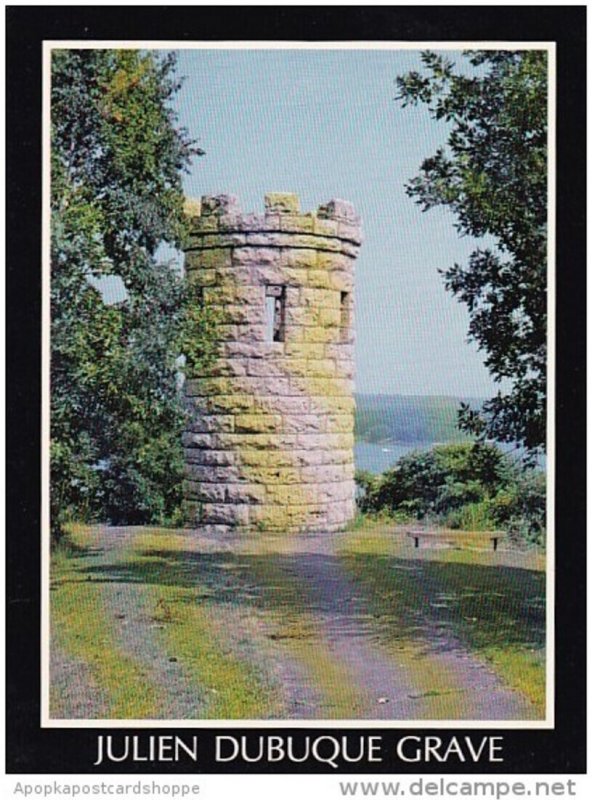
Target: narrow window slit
(345,320)
(275,308)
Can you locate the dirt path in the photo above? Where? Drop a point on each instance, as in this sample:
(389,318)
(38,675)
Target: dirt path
(383,681)
(349,627)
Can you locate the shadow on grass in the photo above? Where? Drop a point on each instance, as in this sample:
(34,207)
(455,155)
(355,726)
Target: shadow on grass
(394,599)
(433,600)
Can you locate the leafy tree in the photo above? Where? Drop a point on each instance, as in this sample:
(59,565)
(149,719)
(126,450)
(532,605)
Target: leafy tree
(492,174)
(117,156)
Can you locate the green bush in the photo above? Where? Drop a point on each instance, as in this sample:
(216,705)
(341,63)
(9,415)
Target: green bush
(521,507)
(471,486)
(427,482)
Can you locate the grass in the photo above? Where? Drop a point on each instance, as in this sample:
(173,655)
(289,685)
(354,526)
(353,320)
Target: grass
(191,630)
(225,610)
(263,565)
(194,630)
(80,628)
(494,602)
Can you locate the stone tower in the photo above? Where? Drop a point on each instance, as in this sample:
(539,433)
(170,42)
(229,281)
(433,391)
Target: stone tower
(269,445)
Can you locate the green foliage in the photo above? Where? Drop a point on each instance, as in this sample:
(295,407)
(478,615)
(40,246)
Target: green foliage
(492,174)
(426,482)
(521,507)
(116,196)
(469,486)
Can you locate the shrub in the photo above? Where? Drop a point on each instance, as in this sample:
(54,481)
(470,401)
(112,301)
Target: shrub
(468,486)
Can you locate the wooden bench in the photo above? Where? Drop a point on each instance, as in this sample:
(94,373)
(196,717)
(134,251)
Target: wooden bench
(495,537)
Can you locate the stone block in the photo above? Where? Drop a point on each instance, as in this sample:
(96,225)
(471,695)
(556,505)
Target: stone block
(307,351)
(330,262)
(284,405)
(202,277)
(272,385)
(311,458)
(301,259)
(265,239)
(250,350)
(245,493)
(349,232)
(282,518)
(265,441)
(230,223)
(219,204)
(338,209)
(318,334)
(341,280)
(209,474)
(267,367)
(297,223)
(216,423)
(255,256)
(197,440)
(250,333)
(281,203)
(209,386)
(262,275)
(216,258)
(324,226)
(329,317)
(283,495)
(229,367)
(257,423)
(253,315)
(304,423)
(274,475)
(211,458)
(318,279)
(296,316)
(340,352)
(231,403)
(205,492)
(315,242)
(234,295)
(192,207)
(340,423)
(319,298)
(325,441)
(325,473)
(296,366)
(345,369)
(320,368)
(225,513)
(264,457)
(333,492)
(350,249)
(326,387)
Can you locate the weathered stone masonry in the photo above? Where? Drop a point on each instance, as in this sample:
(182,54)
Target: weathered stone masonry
(270,442)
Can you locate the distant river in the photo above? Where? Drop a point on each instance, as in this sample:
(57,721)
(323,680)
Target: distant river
(378,457)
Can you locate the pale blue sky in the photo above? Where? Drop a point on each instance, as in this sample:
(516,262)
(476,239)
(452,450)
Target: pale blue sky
(324,124)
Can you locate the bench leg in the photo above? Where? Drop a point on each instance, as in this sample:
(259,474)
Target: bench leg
(494,540)
(416,538)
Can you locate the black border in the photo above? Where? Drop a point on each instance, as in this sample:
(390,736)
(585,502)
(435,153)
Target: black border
(30,749)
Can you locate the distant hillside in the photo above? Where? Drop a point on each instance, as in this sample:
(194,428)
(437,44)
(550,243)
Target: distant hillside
(408,419)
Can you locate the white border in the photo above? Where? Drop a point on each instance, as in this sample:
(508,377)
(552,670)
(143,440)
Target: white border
(549,721)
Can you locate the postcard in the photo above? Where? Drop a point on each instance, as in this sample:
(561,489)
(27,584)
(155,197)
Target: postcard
(303,365)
